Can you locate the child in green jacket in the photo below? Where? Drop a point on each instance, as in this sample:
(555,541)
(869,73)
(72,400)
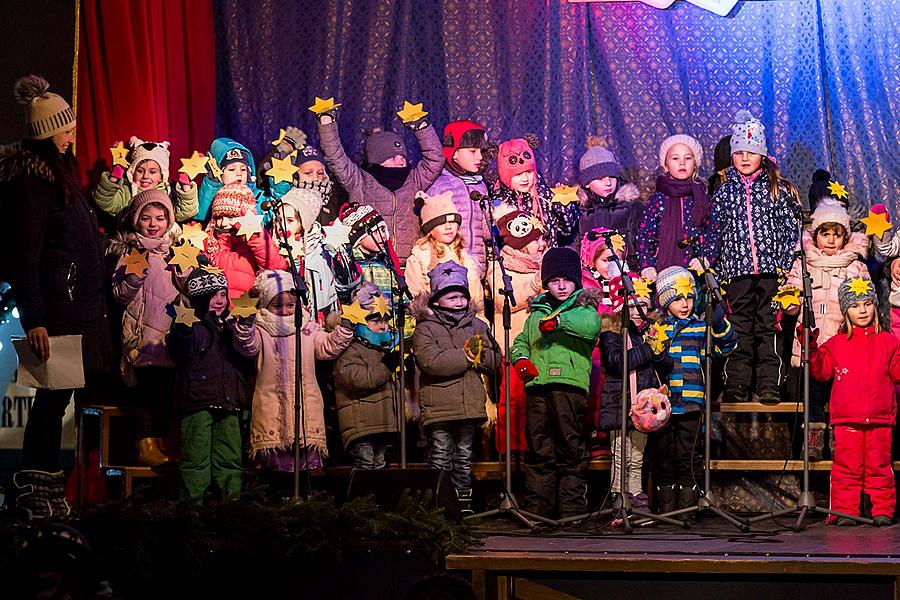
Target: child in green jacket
(553,356)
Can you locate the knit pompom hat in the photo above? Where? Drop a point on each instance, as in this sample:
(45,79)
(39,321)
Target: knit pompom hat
(437,210)
(516,227)
(748,134)
(46,113)
(233,200)
(515,157)
(829,211)
(448,276)
(139,201)
(203,284)
(856,289)
(142,151)
(666,285)
(597,162)
(360,218)
(383,145)
(463,134)
(270,283)
(561,262)
(680,138)
(307,203)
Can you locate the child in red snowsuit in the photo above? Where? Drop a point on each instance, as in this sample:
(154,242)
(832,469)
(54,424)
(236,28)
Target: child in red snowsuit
(865,366)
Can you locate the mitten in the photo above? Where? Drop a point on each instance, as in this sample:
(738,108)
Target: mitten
(391,360)
(117,172)
(526,370)
(881,209)
(697,266)
(718,318)
(294,136)
(813,339)
(548,325)
(184,180)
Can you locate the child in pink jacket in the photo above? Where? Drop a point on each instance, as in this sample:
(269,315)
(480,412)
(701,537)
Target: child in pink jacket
(864,363)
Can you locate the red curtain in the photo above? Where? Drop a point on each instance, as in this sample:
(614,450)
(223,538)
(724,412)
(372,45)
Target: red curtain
(145,68)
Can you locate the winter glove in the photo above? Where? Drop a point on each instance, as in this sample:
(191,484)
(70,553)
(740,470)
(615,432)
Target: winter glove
(881,209)
(698,266)
(719,323)
(548,325)
(526,370)
(184,180)
(294,136)
(474,349)
(391,360)
(117,173)
(813,339)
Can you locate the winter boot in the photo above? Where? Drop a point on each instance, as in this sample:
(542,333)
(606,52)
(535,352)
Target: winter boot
(688,496)
(735,394)
(815,439)
(882,521)
(769,397)
(465,502)
(31,490)
(150,454)
(58,502)
(665,499)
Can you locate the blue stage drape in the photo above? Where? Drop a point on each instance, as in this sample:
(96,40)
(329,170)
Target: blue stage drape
(823,75)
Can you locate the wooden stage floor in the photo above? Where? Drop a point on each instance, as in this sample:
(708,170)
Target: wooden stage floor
(712,560)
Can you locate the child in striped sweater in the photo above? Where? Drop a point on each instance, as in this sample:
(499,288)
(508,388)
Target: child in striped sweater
(676,449)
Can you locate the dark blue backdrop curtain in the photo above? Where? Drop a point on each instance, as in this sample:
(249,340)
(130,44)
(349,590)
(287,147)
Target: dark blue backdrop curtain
(824,75)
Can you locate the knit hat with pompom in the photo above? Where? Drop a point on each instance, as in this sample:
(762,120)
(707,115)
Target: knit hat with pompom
(46,113)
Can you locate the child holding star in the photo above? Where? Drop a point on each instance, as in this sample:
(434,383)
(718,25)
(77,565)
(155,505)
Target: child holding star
(864,365)
(676,450)
(145,285)
(230,162)
(236,242)
(214,364)
(273,341)
(148,170)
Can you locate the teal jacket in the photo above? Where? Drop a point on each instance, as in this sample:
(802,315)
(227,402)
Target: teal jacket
(209,186)
(563,356)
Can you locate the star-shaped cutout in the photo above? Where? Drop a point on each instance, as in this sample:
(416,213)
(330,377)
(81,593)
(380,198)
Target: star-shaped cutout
(565,194)
(119,155)
(185,315)
(250,224)
(282,169)
(641,286)
(659,336)
(536,223)
(281,134)
(213,270)
(618,242)
(194,165)
(323,105)
(184,257)
(337,235)
(136,262)
(860,286)
(193,234)
(411,112)
(787,296)
(380,306)
(876,224)
(837,190)
(296,245)
(684,286)
(214,168)
(244,306)
(355,313)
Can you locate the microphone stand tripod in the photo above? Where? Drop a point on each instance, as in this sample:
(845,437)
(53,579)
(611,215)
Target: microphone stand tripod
(807,501)
(508,504)
(622,503)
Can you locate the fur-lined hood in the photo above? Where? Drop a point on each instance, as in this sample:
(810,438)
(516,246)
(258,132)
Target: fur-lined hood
(16,161)
(626,192)
(420,309)
(588,297)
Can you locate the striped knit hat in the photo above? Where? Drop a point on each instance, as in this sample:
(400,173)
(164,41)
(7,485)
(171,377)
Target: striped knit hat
(233,200)
(672,283)
(46,113)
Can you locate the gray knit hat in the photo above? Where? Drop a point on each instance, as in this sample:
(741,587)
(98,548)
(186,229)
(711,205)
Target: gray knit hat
(596,163)
(446,277)
(748,134)
(667,288)
(382,145)
(856,289)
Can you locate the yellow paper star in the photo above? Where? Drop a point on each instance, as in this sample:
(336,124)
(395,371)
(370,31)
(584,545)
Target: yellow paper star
(684,286)
(323,105)
(380,306)
(659,337)
(244,306)
(194,165)
(355,313)
(281,133)
(565,194)
(193,234)
(136,262)
(119,155)
(641,286)
(618,242)
(185,315)
(837,190)
(296,248)
(536,223)
(214,168)
(336,235)
(860,286)
(411,112)
(184,257)
(876,224)
(213,270)
(787,297)
(282,169)
(250,224)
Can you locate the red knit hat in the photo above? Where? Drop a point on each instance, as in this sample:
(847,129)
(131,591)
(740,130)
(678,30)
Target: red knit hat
(233,200)
(463,134)
(514,157)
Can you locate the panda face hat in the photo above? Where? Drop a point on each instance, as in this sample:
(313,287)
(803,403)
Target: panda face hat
(518,229)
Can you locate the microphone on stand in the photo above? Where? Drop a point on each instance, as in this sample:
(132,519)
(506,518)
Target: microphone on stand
(480,198)
(268,205)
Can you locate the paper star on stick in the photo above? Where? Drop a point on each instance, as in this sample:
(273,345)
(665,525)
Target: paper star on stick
(659,336)
(119,153)
(136,262)
(185,315)
(411,112)
(184,257)
(250,224)
(323,105)
(355,313)
(787,297)
(380,306)
(565,194)
(194,165)
(282,169)
(536,223)
(296,248)
(876,224)
(837,190)
(618,242)
(281,134)
(336,235)
(244,306)
(193,234)
(214,168)
(213,270)
(641,286)
(860,286)
(684,286)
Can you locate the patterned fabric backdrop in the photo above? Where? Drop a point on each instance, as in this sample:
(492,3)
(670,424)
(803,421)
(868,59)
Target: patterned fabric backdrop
(823,75)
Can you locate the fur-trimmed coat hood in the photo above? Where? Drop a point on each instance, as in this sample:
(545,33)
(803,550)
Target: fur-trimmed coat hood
(16,161)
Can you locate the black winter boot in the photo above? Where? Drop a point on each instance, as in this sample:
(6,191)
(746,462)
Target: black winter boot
(665,499)
(465,502)
(58,502)
(688,496)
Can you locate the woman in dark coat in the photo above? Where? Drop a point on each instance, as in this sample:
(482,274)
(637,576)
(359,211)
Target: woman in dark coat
(55,266)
